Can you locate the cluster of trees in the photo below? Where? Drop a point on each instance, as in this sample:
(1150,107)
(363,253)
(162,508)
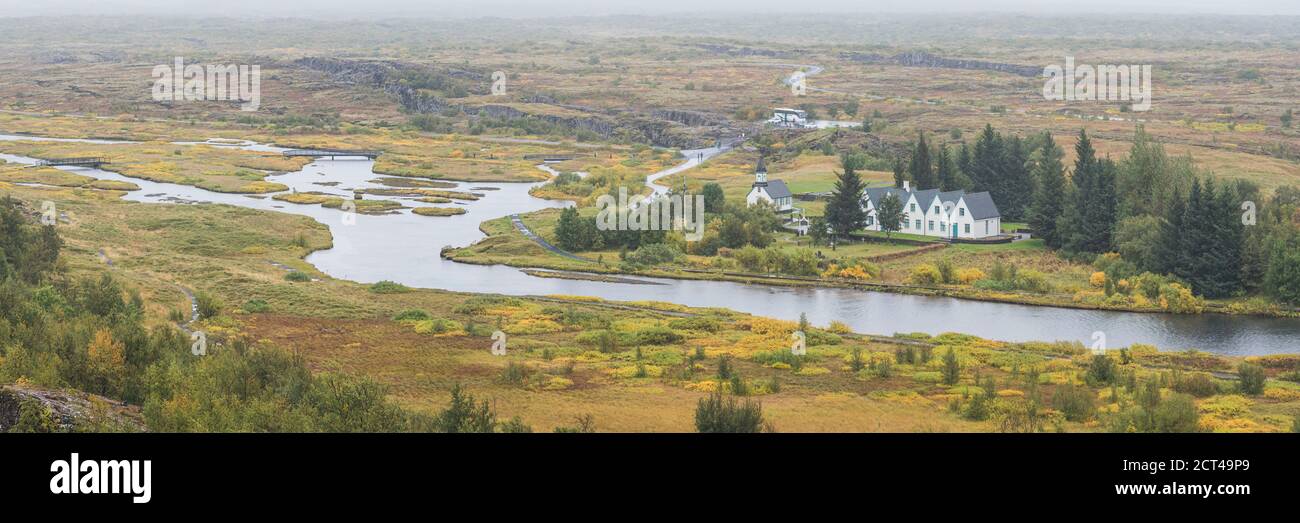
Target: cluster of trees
(732,225)
(90,334)
(1162,216)
(998,164)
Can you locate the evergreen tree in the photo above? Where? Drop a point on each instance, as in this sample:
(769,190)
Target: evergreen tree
(844,213)
(1089,222)
(921,168)
(1168,253)
(1283,276)
(1014,190)
(900,175)
(964,165)
(568,230)
(714,201)
(951,368)
(1049,197)
(986,160)
(949,177)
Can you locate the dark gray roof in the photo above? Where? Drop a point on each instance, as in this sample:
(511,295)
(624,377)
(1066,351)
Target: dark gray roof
(951,196)
(875,194)
(981,206)
(925,198)
(777,189)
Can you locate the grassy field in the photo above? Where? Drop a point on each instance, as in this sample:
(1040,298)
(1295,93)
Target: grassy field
(646,379)
(605,98)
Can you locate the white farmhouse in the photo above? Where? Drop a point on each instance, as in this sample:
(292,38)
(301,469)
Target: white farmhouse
(951,214)
(774,192)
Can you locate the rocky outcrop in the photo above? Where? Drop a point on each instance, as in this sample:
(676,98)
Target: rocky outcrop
(388,76)
(663,128)
(732,50)
(64,411)
(924,59)
(691,118)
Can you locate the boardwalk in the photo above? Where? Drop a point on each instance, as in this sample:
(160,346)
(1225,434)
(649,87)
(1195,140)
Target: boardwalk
(332,153)
(72,162)
(519,225)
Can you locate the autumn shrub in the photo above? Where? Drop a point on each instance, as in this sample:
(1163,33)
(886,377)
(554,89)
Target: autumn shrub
(1179,299)
(1252,378)
(783,356)
(925,274)
(388,287)
(209,306)
(716,414)
(698,323)
(515,374)
(411,315)
(657,335)
(1101,370)
(969,276)
(1197,384)
(1076,403)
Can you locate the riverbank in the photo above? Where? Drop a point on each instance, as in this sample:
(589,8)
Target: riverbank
(402,247)
(657,362)
(505,246)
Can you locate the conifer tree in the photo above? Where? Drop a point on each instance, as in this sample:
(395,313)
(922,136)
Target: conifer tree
(1049,197)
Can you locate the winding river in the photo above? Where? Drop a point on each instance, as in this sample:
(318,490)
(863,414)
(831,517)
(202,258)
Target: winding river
(404,247)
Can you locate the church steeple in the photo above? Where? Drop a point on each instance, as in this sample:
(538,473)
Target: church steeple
(760,173)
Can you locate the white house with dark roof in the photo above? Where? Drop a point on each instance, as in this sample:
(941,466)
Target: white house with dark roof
(931,212)
(774,192)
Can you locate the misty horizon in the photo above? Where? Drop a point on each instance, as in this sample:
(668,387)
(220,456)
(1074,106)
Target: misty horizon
(377,9)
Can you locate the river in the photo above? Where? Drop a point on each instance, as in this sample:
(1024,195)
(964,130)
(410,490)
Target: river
(405,248)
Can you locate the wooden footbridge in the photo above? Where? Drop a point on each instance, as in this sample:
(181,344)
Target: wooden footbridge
(318,153)
(557,157)
(72,162)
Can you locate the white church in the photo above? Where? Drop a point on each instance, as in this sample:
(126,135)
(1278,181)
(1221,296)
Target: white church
(774,192)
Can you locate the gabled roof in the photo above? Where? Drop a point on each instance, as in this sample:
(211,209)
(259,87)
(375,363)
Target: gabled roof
(875,194)
(925,198)
(951,196)
(981,206)
(777,189)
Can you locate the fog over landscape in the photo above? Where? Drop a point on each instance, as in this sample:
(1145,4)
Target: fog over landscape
(521,8)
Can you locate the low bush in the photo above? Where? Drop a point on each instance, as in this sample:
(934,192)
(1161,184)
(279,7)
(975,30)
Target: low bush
(297,276)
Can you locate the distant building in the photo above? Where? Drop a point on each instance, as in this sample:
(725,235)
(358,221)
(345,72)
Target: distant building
(774,192)
(931,212)
(786,117)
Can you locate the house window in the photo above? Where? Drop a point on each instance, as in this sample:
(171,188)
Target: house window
(936,209)
(918,224)
(962,212)
(968,228)
(913,206)
(931,224)
(870,220)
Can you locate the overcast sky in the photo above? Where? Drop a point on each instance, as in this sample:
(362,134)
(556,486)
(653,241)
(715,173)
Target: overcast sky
(537,8)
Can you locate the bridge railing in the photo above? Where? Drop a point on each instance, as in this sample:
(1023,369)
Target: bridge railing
(327,152)
(86,160)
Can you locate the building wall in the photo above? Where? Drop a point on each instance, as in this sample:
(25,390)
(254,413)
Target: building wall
(943,222)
